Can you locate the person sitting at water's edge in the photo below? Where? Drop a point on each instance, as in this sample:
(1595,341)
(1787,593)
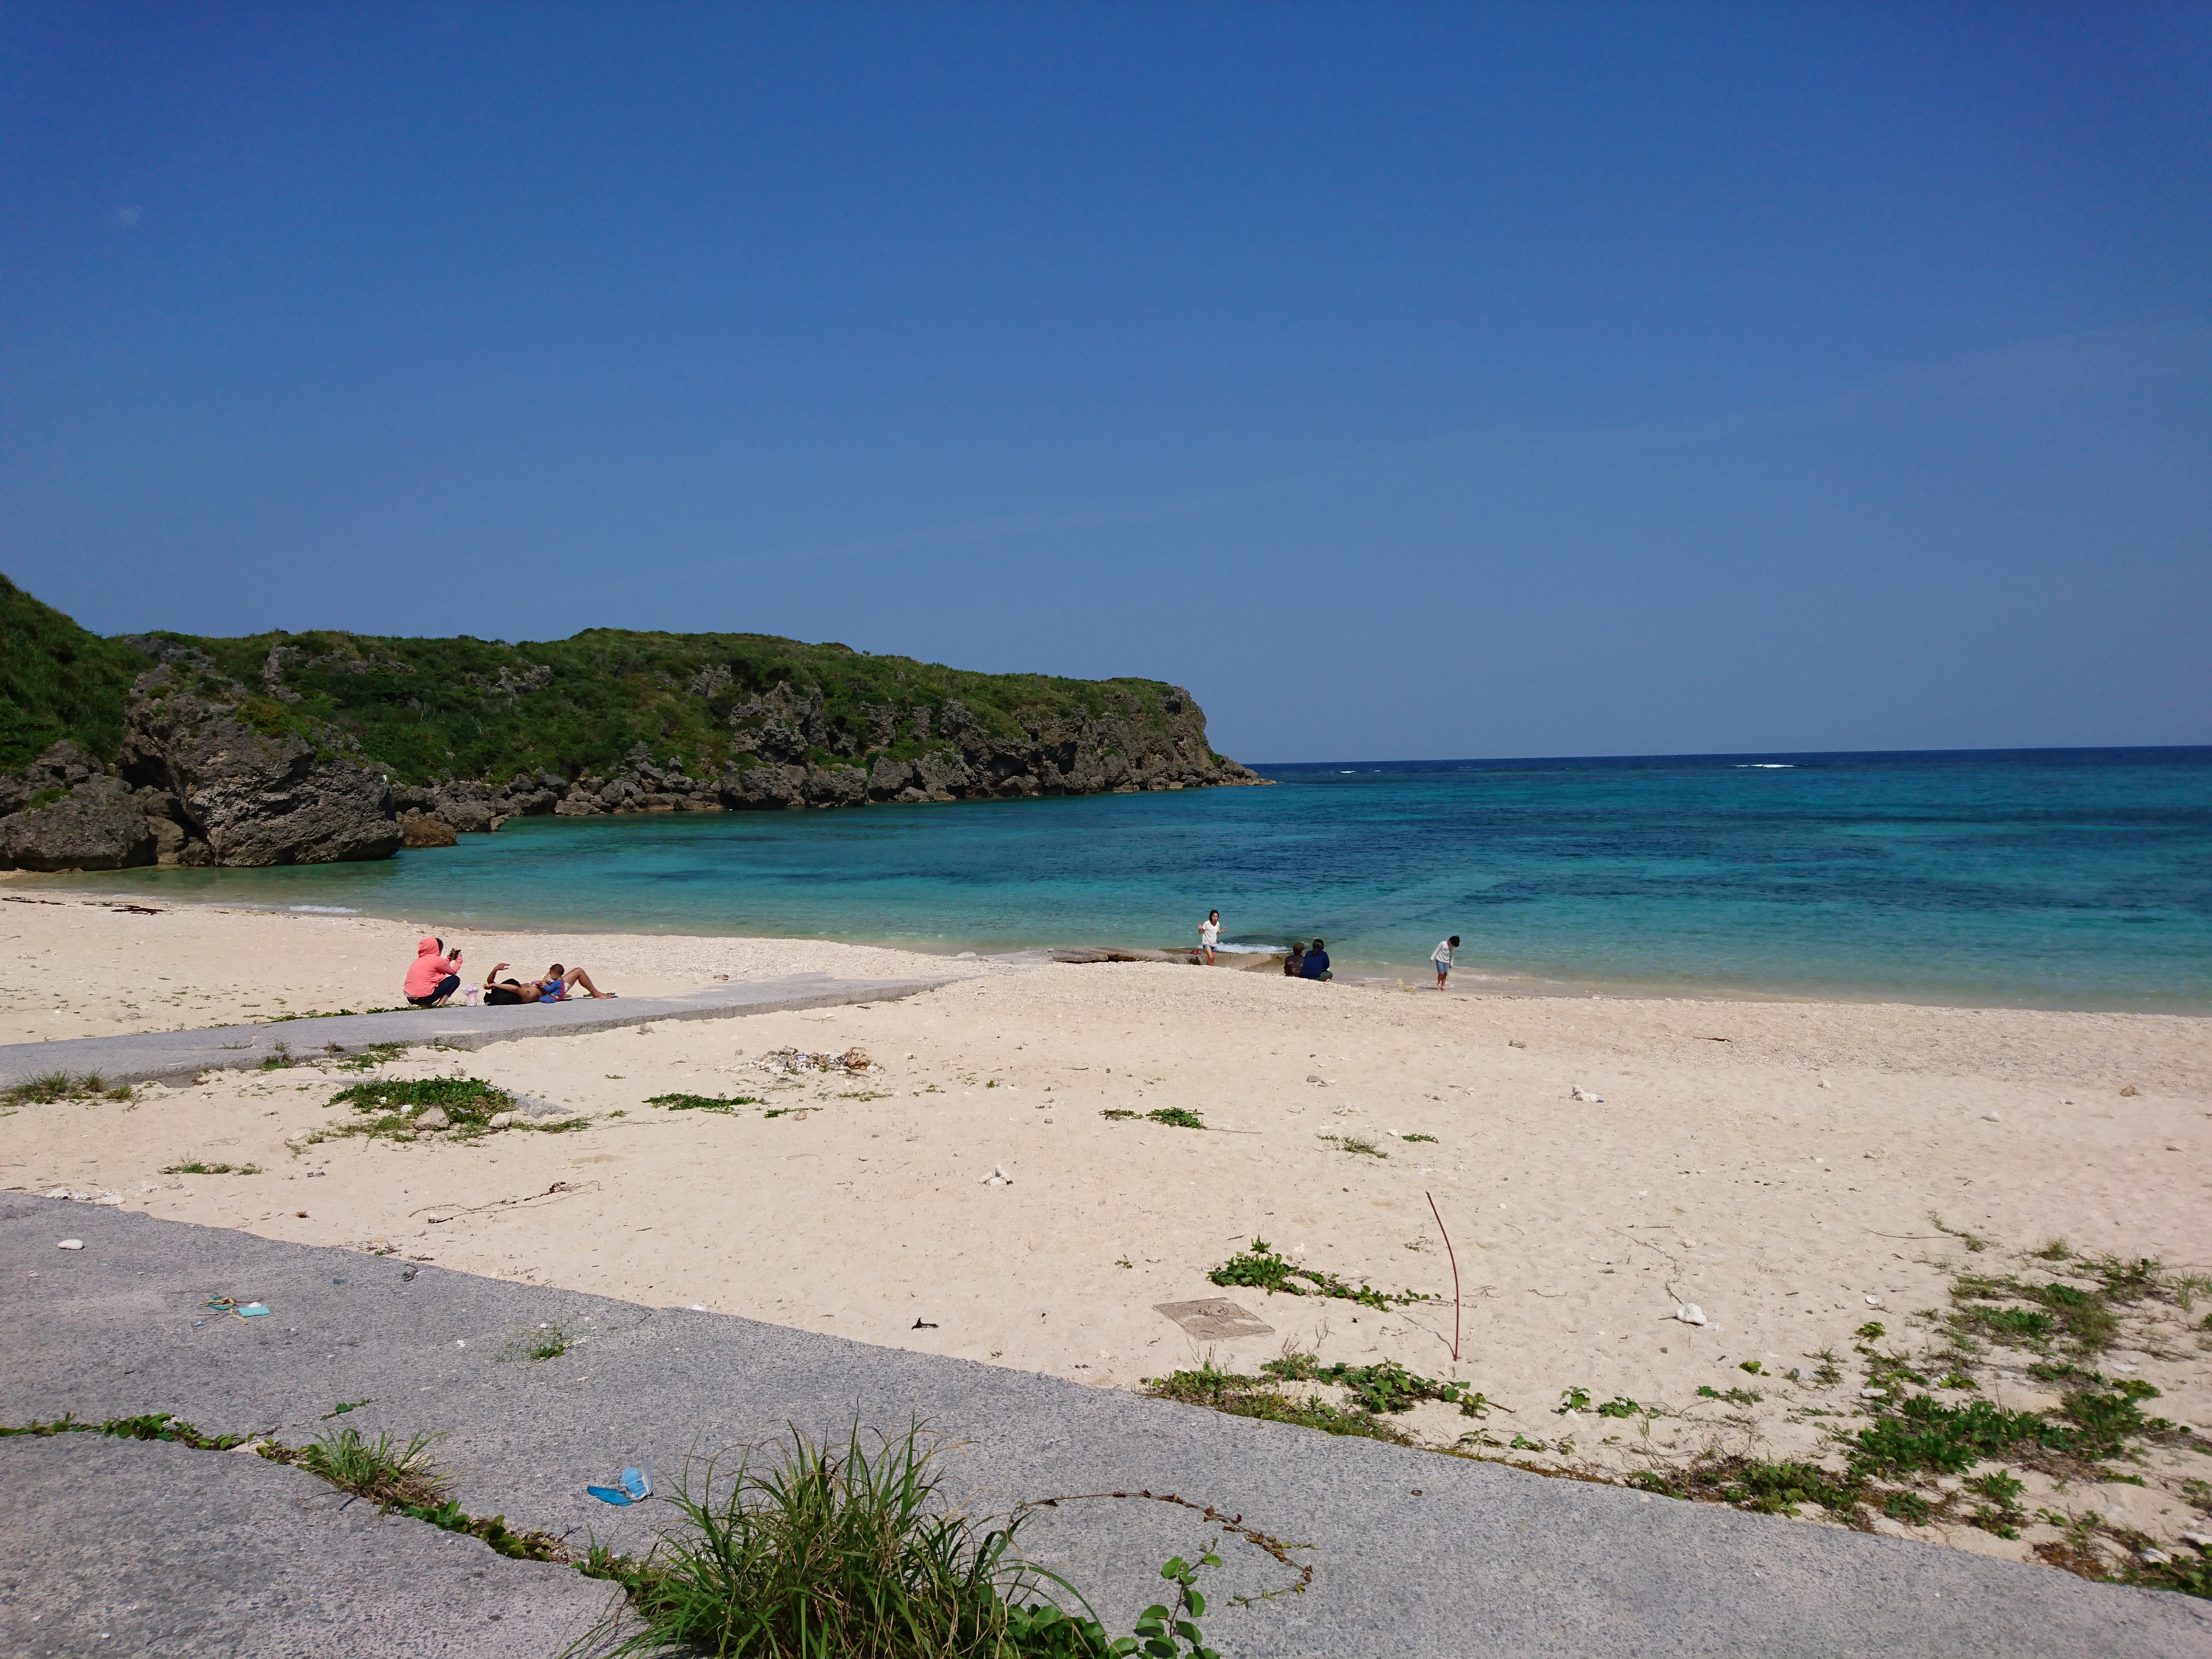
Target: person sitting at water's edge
(1316,963)
(553,988)
(1442,959)
(1295,959)
(432,978)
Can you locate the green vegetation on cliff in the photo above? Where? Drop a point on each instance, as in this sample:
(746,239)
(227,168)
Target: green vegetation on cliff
(476,709)
(425,709)
(57,680)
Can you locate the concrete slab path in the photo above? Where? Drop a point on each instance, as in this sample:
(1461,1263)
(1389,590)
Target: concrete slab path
(1411,1553)
(179,1056)
(116,1547)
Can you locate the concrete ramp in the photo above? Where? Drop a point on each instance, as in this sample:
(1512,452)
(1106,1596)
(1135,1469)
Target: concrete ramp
(1413,1554)
(179,1056)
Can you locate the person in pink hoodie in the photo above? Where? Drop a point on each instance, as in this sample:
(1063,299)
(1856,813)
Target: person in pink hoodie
(436,977)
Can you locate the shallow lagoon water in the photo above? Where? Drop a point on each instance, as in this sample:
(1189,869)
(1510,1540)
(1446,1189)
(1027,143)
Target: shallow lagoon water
(2070,878)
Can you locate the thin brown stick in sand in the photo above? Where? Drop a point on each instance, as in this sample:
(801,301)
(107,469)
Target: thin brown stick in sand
(1453,1255)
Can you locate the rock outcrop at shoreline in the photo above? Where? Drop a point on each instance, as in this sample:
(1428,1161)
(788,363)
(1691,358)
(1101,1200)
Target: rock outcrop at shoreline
(206,775)
(1049,758)
(251,783)
(68,811)
(319,748)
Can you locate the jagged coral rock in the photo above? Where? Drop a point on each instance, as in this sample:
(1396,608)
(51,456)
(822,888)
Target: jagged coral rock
(98,825)
(423,829)
(283,747)
(252,782)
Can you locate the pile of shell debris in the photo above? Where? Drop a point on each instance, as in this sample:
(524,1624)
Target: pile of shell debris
(796,1065)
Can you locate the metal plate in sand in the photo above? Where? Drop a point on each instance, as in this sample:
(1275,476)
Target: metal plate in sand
(1213,1319)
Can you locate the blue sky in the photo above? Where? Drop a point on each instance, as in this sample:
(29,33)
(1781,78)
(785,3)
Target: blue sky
(1407,381)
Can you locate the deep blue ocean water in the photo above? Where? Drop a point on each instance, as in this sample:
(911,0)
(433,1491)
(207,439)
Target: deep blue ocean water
(2058,878)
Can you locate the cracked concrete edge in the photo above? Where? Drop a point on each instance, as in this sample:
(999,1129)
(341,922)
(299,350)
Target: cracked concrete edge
(1417,1554)
(180,1056)
(290,1566)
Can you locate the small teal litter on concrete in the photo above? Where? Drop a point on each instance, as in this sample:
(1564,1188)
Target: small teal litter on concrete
(637,1486)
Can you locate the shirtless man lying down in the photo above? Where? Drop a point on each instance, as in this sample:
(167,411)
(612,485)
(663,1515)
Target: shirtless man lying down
(553,988)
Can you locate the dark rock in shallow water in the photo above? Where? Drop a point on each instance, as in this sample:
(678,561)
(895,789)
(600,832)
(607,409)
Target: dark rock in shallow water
(257,785)
(887,777)
(421,829)
(762,786)
(940,772)
(468,810)
(841,786)
(528,795)
(462,804)
(98,825)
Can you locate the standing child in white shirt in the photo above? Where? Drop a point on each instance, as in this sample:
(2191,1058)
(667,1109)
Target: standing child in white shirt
(1442,957)
(1209,935)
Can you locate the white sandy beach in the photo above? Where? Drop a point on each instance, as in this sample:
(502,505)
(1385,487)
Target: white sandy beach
(1777,1163)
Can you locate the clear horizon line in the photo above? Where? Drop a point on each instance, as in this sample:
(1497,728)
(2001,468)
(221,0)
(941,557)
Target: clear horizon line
(1759,754)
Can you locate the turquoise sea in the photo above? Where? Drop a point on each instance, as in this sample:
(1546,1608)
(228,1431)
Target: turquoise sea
(2076,879)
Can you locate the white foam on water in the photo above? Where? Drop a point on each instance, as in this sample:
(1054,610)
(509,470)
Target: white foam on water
(323,909)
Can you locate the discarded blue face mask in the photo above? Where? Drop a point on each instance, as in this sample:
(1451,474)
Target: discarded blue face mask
(637,1486)
(253,1310)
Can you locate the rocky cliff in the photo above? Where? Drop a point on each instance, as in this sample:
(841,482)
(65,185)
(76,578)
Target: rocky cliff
(298,749)
(249,782)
